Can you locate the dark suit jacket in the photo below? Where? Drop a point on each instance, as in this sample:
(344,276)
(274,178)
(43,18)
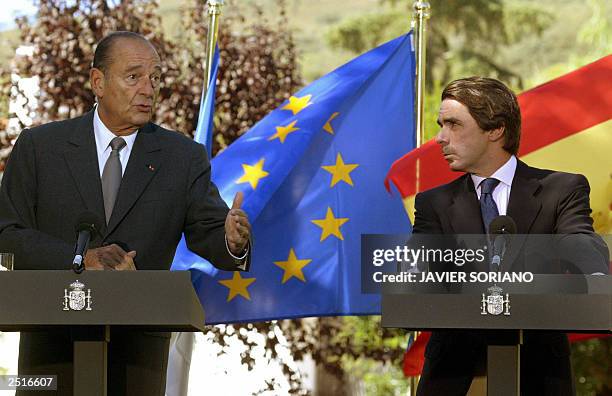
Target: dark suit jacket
(53,176)
(541,202)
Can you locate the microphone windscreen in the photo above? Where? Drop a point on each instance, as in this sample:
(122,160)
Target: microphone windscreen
(87,221)
(502,225)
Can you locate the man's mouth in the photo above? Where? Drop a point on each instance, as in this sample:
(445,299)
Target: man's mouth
(144,107)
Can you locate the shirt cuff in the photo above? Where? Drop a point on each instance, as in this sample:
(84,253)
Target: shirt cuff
(241,258)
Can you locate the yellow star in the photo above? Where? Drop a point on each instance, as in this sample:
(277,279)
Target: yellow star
(327,127)
(293,267)
(340,171)
(253,173)
(283,131)
(330,225)
(237,285)
(297,104)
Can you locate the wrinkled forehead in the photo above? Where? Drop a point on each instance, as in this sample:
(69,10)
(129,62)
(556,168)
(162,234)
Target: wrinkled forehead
(129,52)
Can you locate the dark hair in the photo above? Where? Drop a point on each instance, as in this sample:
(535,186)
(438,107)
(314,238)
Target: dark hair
(492,104)
(102,56)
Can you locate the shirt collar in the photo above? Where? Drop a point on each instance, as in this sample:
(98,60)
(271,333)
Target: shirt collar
(504,174)
(104,135)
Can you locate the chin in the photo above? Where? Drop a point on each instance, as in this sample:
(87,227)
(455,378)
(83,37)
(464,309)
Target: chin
(141,119)
(456,166)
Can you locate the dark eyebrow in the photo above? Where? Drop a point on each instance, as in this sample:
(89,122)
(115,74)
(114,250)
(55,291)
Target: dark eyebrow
(452,120)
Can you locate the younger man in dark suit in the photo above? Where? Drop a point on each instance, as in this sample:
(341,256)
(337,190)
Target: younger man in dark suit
(147,185)
(480,125)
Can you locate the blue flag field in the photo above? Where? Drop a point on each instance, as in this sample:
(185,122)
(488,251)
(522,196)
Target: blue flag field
(312,173)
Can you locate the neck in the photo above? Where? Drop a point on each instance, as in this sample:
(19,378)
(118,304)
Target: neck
(115,128)
(492,164)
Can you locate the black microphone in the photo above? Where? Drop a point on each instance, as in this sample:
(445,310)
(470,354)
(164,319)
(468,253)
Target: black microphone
(501,226)
(87,224)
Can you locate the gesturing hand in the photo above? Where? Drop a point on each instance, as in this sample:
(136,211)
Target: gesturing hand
(237,227)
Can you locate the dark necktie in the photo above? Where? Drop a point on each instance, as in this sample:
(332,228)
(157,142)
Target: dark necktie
(488,208)
(111,176)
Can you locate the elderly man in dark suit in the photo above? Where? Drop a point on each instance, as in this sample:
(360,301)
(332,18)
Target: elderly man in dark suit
(147,185)
(480,125)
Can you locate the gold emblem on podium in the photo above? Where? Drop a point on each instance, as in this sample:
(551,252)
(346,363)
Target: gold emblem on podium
(494,303)
(76,298)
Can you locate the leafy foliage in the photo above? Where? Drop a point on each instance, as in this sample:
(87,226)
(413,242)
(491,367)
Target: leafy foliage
(257,69)
(592,366)
(462,35)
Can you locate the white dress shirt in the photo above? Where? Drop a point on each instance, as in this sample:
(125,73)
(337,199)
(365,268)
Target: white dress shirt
(103,138)
(501,194)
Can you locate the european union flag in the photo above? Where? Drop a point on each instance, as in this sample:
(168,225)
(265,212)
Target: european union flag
(313,172)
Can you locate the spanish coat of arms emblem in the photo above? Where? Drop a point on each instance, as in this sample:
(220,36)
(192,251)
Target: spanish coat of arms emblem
(76,298)
(494,303)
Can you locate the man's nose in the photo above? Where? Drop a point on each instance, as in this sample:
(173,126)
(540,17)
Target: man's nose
(147,88)
(442,137)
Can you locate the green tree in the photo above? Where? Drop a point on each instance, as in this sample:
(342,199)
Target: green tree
(463,36)
(257,71)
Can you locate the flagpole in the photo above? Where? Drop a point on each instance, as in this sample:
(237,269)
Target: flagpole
(419,24)
(214,11)
(182,343)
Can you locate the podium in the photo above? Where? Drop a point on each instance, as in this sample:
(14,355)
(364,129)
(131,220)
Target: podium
(99,301)
(565,303)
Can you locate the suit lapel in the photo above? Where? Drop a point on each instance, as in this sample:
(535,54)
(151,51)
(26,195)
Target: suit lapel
(464,212)
(523,206)
(82,160)
(143,164)
(465,217)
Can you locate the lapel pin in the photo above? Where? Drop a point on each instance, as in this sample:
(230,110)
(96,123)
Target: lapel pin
(151,168)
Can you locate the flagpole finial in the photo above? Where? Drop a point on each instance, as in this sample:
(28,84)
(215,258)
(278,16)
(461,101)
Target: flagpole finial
(422,7)
(215,6)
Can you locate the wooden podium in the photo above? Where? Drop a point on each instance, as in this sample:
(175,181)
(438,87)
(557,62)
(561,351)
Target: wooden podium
(567,303)
(143,300)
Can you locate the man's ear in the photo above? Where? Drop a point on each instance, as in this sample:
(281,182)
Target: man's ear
(497,133)
(96,80)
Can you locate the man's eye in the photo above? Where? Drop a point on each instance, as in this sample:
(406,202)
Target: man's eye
(132,77)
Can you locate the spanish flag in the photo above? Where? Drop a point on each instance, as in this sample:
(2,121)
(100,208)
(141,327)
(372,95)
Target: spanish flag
(566,126)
